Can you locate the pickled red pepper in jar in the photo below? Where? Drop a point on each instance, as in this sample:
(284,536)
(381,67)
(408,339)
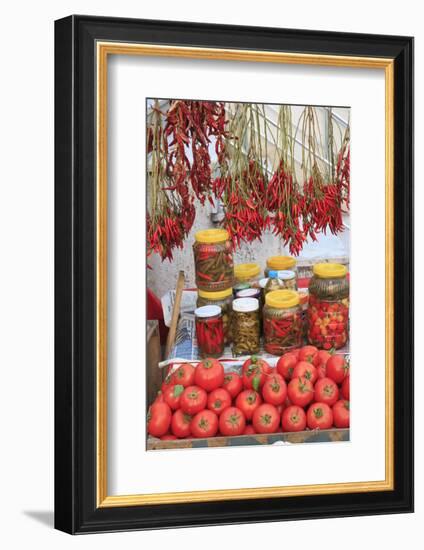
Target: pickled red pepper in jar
(209,331)
(282,318)
(223,299)
(328,309)
(213,258)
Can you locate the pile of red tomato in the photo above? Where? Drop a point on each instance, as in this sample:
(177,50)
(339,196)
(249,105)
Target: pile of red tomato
(307,389)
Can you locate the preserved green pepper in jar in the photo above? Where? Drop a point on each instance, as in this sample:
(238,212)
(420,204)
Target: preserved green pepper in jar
(280,263)
(213,258)
(209,331)
(282,317)
(273,283)
(223,299)
(246,273)
(286,277)
(246,331)
(328,309)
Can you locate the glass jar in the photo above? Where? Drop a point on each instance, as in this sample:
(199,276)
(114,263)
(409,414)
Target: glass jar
(247,273)
(246,331)
(280,263)
(273,283)
(223,299)
(287,278)
(283,328)
(240,286)
(328,309)
(213,258)
(253,293)
(209,331)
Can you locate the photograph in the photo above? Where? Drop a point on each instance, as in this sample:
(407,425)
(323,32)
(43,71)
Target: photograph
(248,273)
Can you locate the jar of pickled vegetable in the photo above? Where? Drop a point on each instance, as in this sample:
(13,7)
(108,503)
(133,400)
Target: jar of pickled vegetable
(328,309)
(246,331)
(280,263)
(213,258)
(273,283)
(209,331)
(282,317)
(223,299)
(240,286)
(287,278)
(246,273)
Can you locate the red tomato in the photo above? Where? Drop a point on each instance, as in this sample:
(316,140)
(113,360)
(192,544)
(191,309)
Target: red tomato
(184,375)
(249,430)
(308,353)
(322,371)
(341,414)
(321,357)
(300,391)
(255,371)
(159,398)
(232,421)
(293,419)
(295,353)
(209,374)
(266,419)
(337,368)
(274,390)
(326,391)
(345,389)
(193,400)
(172,396)
(286,364)
(306,369)
(158,419)
(168,382)
(218,400)
(204,424)
(180,424)
(168,437)
(233,383)
(319,416)
(248,401)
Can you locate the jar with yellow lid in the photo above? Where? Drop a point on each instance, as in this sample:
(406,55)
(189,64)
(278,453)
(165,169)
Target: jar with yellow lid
(328,309)
(246,273)
(213,258)
(282,317)
(280,263)
(223,299)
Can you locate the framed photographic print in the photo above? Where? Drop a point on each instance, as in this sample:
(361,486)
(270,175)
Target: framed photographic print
(234,274)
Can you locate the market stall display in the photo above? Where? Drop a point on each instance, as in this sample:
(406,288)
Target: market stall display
(223,404)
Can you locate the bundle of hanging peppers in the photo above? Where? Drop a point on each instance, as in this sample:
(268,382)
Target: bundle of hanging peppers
(258,194)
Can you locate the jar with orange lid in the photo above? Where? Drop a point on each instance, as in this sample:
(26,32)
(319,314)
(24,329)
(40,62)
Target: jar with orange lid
(328,308)
(223,299)
(280,263)
(246,273)
(282,317)
(213,258)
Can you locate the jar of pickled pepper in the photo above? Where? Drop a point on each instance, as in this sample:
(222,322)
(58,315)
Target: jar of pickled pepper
(328,309)
(209,331)
(246,329)
(223,299)
(246,273)
(282,317)
(280,263)
(213,258)
(286,276)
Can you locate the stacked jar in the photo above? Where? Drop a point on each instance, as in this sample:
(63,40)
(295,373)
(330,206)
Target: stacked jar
(223,299)
(328,309)
(213,258)
(246,274)
(282,318)
(280,263)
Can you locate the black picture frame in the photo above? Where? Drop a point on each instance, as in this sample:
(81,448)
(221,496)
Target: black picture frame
(76,510)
